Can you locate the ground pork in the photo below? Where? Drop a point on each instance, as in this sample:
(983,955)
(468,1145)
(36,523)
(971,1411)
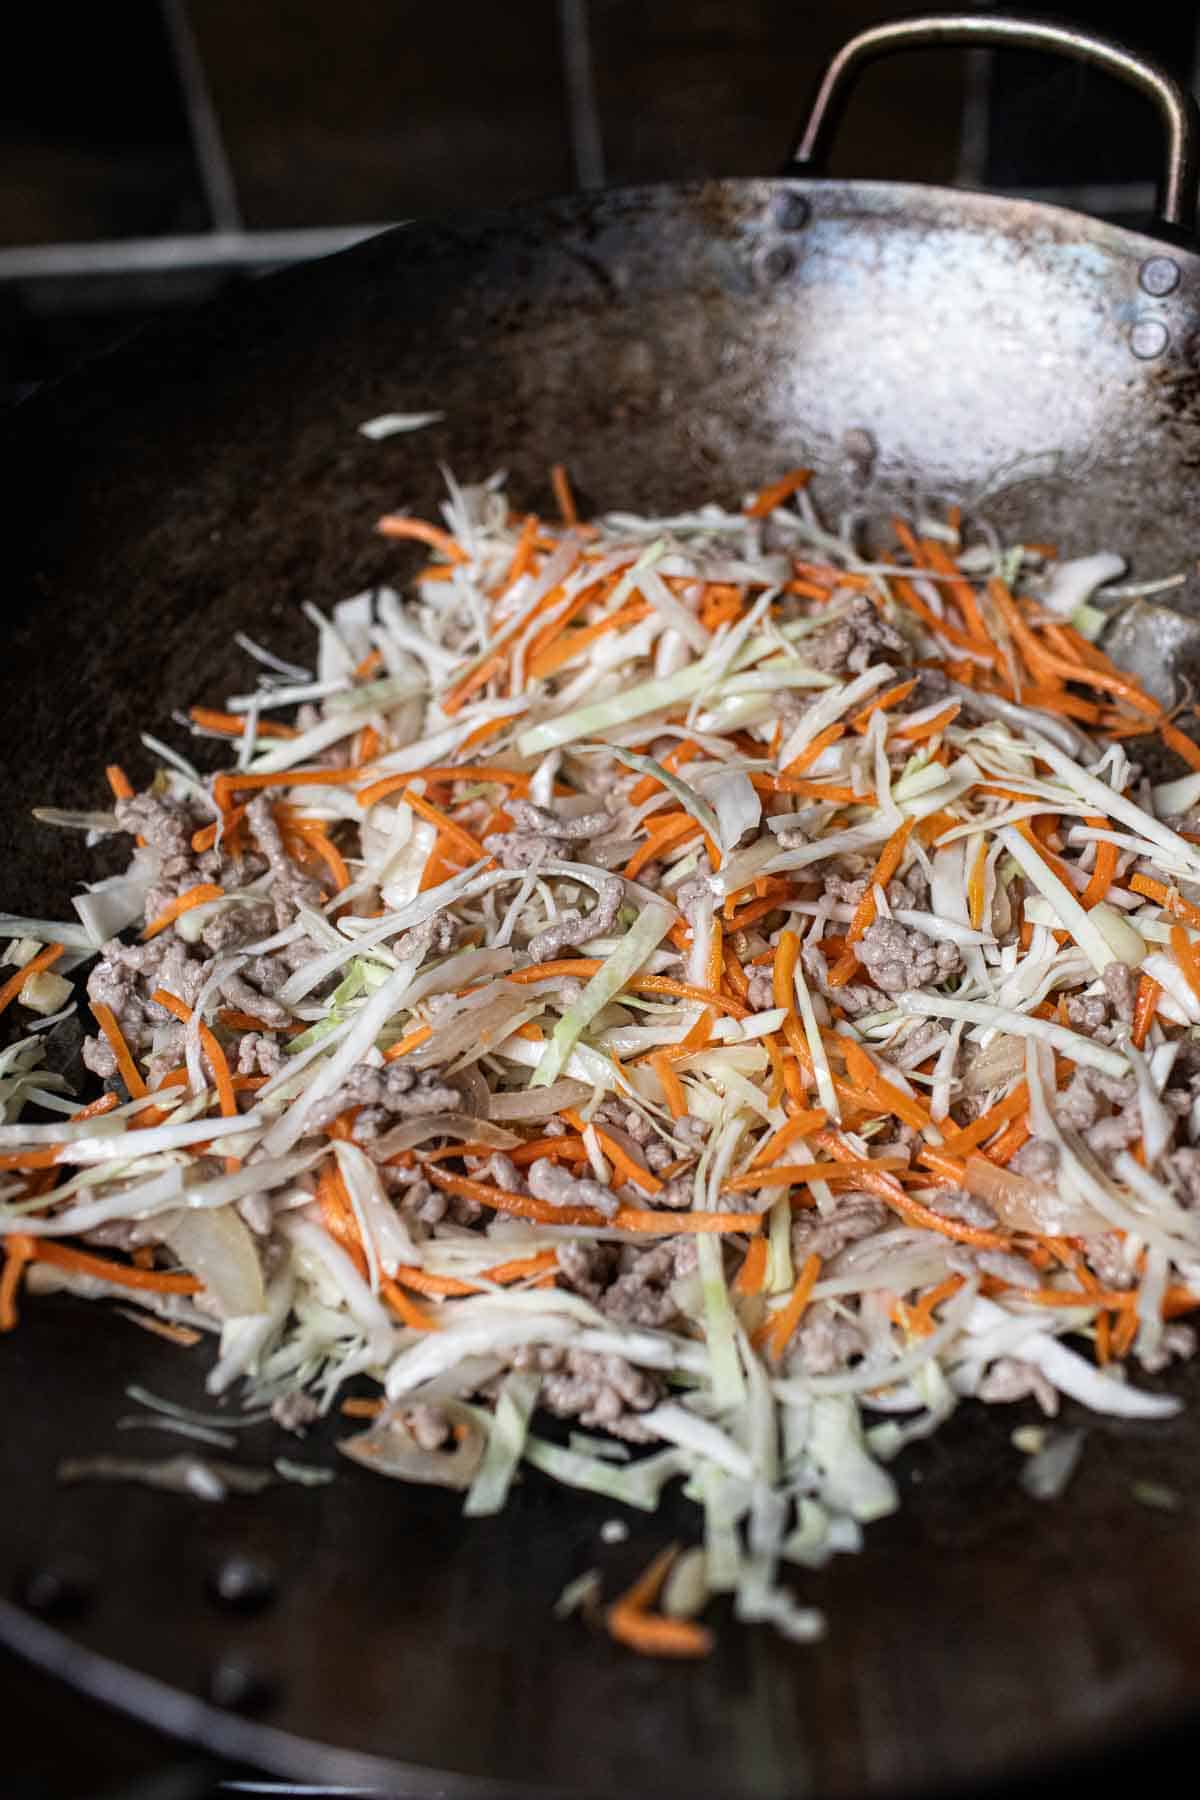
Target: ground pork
(826,1340)
(558,1187)
(857,1216)
(1184,1164)
(386,1095)
(760,990)
(1004,1265)
(1120,985)
(897,958)
(604,1392)
(289,885)
(956,1203)
(1036,1160)
(428,1426)
(854,641)
(540,834)
(258,1054)
(123,980)
(573,927)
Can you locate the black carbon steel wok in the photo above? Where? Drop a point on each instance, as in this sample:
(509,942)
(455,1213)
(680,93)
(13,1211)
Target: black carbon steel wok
(670,344)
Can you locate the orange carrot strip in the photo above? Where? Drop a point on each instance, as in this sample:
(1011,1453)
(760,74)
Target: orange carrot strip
(715,972)
(776,492)
(889,861)
(917,734)
(200,895)
(1181,743)
(540,1211)
(976,890)
(399,525)
(864,1072)
(62,1256)
(372,661)
(457,834)
(1185,955)
(18,1251)
(677,831)
(616,1153)
(1039,659)
(12,987)
(180,1010)
(1013,1106)
(563,495)
(550,659)
(235,725)
(1144,1009)
(883,703)
(753,1272)
(119,782)
(126,1066)
(797,1174)
(671,1085)
(888,1189)
(789,1316)
(797,1126)
(652,1634)
(1104,868)
(325,848)
(422,1282)
(405,1309)
(521,1267)
(1167,898)
(810,753)
(650,784)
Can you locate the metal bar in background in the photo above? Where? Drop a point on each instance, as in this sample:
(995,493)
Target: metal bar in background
(216,171)
(1102,197)
(196,250)
(976,120)
(583,113)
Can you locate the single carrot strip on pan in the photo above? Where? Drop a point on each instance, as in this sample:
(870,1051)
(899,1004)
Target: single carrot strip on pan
(809,755)
(776,492)
(521,1267)
(563,495)
(630,1621)
(234,724)
(409,1042)
(399,525)
(18,1251)
(1184,952)
(119,782)
(405,1309)
(200,895)
(883,702)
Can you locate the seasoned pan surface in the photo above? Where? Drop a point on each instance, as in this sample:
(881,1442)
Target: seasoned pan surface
(670,345)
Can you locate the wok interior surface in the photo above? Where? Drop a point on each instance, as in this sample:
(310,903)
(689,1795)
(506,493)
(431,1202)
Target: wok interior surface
(670,346)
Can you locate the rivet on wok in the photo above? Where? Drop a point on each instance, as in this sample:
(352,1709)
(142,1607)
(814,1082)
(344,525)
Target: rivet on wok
(1148,338)
(239,1687)
(1159,275)
(790,212)
(60,1590)
(777,263)
(242,1583)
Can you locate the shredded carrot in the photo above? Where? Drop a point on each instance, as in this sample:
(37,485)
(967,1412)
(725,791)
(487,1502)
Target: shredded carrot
(1104,868)
(12,987)
(233,1020)
(917,734)
(1102,674)
(200,895)
(776,492)
(616,1153)
(1144,1009)
(316,836)
(1013,1106)
(883,702)
(234,725)
(888,1189)
(1181,743)
(715,973)
(976,889)
(399,525)
(80,1262)
(549,660)
(889,861)
(797,1174)
(863,1072)
(126,1066)
(1184,952)
(457,835)
(811,752)
(630,1621)
(675,831)
(119,782)
(563,495)
(412,1315)
(671,1085)
(182,1335)
(753,1272)
(521,1267)
(1167,898)
(673,760)
(226,1097)
(797,1126)
(422,1282)
(789,1316)
(18,1251)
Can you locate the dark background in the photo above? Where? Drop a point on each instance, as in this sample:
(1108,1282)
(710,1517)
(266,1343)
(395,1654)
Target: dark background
(153,152)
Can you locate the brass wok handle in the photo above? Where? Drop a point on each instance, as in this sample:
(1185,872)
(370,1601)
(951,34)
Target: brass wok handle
(974,31)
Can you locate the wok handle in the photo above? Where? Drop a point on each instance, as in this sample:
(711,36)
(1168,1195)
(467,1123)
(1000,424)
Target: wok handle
(972,31)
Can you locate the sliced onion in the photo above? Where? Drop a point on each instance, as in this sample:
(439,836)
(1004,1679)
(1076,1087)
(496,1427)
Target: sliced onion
(1025,1205)
(996,1063)
(389,1449)
(216,1246)
(447,1124)
(472,1026)
(537,1103)
(471,1085)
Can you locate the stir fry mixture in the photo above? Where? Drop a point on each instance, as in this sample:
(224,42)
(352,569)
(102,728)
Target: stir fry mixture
(720,981)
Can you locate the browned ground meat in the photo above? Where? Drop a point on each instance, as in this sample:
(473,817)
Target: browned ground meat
(560,1188)
(605,1392)
(897,958)
(855,641)
(386,1095)
(857,1216)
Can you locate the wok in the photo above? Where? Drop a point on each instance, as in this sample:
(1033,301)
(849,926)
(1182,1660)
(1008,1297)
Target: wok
(671,344)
